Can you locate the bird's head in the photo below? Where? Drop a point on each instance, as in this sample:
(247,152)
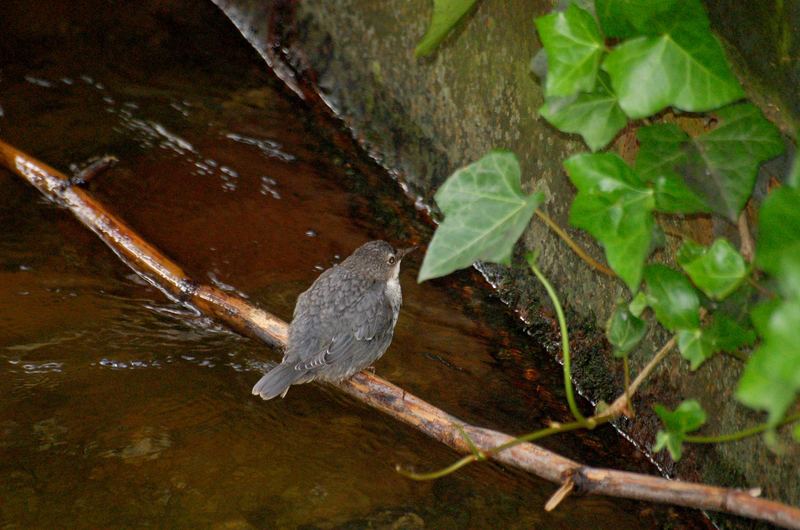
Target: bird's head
(377,260)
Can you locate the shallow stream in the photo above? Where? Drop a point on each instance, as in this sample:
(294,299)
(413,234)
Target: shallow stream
(120,408)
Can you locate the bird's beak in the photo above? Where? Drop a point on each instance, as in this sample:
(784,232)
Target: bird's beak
(402,253)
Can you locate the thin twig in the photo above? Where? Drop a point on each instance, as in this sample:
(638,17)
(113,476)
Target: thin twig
(618,406)
(746,245)
(374,391)
(560,232)
(560,494)
(101,165)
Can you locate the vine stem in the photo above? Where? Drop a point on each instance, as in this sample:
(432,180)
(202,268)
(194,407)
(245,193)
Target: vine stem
(439,473)
(627,369)
(760,288)
(560,232)
(740,435)
(562,323)
(538,435)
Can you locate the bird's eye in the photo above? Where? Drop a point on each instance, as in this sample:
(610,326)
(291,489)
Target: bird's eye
(391,260)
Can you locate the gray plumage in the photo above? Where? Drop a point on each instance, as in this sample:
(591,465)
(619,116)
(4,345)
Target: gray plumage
(343,323)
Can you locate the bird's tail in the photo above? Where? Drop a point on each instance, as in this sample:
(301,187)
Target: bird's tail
(277,381)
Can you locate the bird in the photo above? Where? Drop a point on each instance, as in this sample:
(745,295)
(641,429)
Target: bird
(343,323)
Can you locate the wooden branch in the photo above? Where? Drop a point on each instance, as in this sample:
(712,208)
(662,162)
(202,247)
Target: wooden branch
(101,165)
(372,390)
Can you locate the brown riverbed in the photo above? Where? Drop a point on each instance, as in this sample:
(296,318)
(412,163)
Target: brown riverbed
(120,408)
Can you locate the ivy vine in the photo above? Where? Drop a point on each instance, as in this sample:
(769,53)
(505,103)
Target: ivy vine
(603,64)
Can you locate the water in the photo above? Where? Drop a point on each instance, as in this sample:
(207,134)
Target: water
(119,408)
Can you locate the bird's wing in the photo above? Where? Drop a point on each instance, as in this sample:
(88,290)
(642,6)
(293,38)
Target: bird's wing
(359,332)
(373,314)
(314,295)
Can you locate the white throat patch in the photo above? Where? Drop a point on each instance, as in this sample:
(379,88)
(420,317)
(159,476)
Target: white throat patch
(393,287)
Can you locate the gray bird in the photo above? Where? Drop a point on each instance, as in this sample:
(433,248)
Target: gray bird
(343,323)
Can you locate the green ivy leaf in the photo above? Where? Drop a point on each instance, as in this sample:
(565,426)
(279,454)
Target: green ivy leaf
(596,116)
(674,196)
(660,149)
(688,417)
(717,270)
(660,152)
(485,213)
(721,165)
(638,304)
(728,335)
(684,66)
(796,433)
(778,245)
(694,346)
(762,313)
(630,18)
(574,49)
(672,298)
(624,331)
(658,239)
(615,15)
(771,379)
(587,5)
(690,251)
(446,14)
(615,207)
(793,180)
(724,334)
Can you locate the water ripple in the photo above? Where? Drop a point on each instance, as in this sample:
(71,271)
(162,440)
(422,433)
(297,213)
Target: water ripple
(269,148)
